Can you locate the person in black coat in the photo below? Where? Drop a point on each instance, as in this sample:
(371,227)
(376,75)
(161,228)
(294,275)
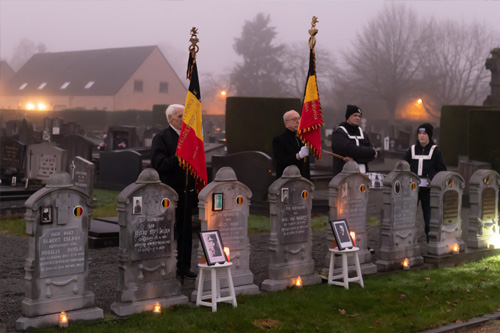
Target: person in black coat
(164,161)
(350,142)
(426,161)
(288,149)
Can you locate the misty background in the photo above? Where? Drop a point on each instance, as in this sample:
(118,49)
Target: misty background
(381,55)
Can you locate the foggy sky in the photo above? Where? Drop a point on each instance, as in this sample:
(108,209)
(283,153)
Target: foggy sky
(71,25)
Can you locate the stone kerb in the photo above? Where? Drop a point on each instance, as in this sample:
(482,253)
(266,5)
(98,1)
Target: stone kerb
(348,200)
(290,243)
(231,219)
(446,218)
(147,252)
(398,227)
(56,279)
(483,229)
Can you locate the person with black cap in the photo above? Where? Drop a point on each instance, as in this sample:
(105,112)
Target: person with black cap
(426,161)
(350,142)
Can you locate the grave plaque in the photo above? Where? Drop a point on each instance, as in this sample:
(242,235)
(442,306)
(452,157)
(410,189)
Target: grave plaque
(348,200)
(56,278)
(147,260)
(399,228)
(82,174)
(129,164)
(13,154)
(290,244)
(43,160)
(483,228)
(224,205)
(77,145)
(446,221)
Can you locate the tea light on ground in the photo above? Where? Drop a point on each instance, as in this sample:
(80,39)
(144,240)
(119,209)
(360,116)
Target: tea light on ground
(157,308)
(298,282)
(63,320)
(455,248)
(406,264)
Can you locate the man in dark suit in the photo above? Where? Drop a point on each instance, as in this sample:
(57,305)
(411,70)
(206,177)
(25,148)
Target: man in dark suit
(288,149)
(164,161)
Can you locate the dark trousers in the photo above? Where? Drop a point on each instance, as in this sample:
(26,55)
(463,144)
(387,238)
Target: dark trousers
(184,230)
(424,196)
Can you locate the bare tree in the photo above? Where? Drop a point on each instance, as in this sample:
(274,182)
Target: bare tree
(386,56)
(453,70)
(23,52)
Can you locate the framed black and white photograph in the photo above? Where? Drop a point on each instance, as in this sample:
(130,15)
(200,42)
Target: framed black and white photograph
(341,233)
(217,202)
(45,214)
(212,247)
(137,210)
(284,194)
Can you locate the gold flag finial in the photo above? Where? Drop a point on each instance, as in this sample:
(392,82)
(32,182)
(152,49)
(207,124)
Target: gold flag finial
(194,48)
(313,31)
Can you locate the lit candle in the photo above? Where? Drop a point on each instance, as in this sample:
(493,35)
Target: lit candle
(157,308)
(63,320)
(455,248)
(298,282)
(406,264)
(353,237)
(227,252)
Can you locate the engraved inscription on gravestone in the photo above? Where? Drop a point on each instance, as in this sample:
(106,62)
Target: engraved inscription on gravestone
(12,154)
(151,238)
(232,225)
(354,210)
(488,212)
(404,210)
(450,207)
(294,224)
(47,164)
(61,252)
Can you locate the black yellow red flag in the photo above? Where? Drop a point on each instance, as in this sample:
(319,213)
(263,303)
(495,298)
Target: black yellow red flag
(190,149)
(311,119)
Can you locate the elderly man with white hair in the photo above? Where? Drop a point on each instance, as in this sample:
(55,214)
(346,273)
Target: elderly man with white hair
(164,161)
(288,149)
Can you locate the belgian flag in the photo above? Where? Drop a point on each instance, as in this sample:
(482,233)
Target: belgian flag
(190,149)
(311,119)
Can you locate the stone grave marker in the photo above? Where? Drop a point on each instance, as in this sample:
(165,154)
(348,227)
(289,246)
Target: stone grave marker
(117,169)
(44,159)
(121,137)
(82,174)
(147,259)
(348,200)
(12,159)
(77,145)
(231,219)
(12,128)
(446,215)
(398,227)
(483,229)
(57,222)
(290,244)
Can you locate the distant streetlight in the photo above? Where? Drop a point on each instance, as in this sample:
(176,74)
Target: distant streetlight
(419,101)
(223,93)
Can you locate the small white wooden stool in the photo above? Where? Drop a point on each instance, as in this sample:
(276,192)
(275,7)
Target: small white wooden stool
(345,268)
(215,295)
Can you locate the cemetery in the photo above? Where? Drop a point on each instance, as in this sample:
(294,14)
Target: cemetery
(79,267)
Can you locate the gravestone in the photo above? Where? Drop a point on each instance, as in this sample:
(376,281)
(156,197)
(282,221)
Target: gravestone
(121,137)
(290,243)
(493,64)
(44,159)
(398,227)
(82,174)
(77,145)
(57,222)
(483,229)
(149,134)
(231,219)
(147,255)
(12,159)
(117,169)
(12,128)
(446,215)
(252,168)
(348,200)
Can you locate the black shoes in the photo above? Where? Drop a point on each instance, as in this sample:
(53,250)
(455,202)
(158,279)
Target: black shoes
(187,274)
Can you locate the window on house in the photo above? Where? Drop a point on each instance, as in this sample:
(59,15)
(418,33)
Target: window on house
(163,87)
(138,85)
(65,85)
(42,85)
(23,86)
(89,84)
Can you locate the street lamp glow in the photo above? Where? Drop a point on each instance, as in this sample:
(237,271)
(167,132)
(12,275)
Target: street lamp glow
(419,101)
(30,106)
(223,93)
